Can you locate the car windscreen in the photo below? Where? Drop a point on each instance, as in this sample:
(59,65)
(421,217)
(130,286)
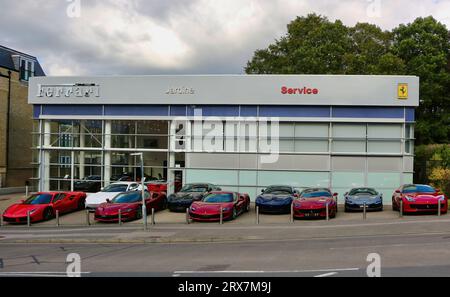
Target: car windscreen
(419,189)
(278,190)
(219,198)
(116,188)
(314,194)
(129,197)
(363,191)
(194,188)
(39,199)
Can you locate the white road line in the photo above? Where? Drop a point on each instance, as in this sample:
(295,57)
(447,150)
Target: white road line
(326,274)
(261,271)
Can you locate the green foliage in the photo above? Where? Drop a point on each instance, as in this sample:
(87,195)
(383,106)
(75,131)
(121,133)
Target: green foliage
(315,45)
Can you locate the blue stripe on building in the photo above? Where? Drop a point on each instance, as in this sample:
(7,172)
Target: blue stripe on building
(406,113)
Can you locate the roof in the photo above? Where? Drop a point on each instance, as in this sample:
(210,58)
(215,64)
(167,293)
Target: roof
(6,60)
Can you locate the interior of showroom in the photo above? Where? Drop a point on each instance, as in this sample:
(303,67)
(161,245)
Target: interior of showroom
(318,130)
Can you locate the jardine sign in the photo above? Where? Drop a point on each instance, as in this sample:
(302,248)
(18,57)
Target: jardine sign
(68,90)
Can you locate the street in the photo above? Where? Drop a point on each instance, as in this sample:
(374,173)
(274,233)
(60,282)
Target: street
(401,255)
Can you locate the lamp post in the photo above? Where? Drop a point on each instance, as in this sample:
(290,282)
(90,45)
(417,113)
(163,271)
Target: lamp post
(144,208)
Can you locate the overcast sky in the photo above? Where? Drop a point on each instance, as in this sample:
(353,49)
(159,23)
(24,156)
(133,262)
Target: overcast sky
(176,36)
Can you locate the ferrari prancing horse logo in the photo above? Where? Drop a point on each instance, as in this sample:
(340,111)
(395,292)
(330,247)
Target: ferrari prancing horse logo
(402,91)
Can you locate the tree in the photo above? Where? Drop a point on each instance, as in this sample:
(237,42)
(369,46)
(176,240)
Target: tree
(314,45)
(424,46)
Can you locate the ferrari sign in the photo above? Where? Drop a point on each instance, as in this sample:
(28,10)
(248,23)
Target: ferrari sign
(402,91)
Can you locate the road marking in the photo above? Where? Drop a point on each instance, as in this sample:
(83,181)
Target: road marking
(326,274)
(262,271)
(38,273)
(389,245)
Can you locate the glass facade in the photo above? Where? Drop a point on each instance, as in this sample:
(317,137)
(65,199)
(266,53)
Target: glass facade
(332,154)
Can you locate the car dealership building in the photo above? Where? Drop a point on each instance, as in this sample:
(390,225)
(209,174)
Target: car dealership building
(241,132)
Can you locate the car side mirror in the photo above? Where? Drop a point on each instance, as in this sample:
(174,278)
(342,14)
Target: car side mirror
(296,195)
(397,191)
(262,190)
(438,190)
(335,194)
(108,201)
(21,201)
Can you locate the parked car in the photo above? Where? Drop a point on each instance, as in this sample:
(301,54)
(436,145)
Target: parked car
(232,205)
(130,206)
(357,197)
(161,185)
(91,184)
(109,192)
(419,198)
(312,203)
(181,200)
(42,206)
(276,199)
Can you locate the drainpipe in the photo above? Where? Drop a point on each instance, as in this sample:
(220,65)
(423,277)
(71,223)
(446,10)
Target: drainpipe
(8,113)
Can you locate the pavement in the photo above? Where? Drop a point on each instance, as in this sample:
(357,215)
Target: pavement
(408,246)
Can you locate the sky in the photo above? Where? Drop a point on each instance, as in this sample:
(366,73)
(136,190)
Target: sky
(119,37)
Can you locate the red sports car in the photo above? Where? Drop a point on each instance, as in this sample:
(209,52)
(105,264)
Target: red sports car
(419,198)
(312,203)
(43,206)
(208,209)
(130,206)
(161,186)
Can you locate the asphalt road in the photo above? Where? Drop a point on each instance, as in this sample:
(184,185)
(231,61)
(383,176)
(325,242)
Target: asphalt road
(400,255)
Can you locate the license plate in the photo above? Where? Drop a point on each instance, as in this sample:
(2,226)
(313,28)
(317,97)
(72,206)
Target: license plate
(311,214)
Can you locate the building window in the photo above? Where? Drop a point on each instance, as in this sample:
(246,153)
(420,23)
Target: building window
(26,69)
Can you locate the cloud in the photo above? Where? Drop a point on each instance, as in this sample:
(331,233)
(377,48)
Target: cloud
(177,36)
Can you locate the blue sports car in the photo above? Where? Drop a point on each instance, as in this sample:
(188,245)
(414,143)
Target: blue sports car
(356,197)
(276,199)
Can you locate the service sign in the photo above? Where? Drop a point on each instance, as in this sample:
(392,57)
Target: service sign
(362,90)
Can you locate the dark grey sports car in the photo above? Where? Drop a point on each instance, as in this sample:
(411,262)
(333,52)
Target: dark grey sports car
(357,197)
(189,193)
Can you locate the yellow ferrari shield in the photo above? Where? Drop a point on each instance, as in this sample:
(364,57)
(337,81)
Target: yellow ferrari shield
(402,91)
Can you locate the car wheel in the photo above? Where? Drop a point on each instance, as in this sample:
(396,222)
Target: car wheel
(234,215)
(81,204)
(164,204)
(394,207)
(48,214)
(139,213)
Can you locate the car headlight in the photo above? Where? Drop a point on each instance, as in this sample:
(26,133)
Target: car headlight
(193,208)
(128,210)
(441,198)
(410,199)
(33,210)
(226,209)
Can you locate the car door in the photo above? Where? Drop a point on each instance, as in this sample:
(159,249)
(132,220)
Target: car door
(59,203)
(240,202)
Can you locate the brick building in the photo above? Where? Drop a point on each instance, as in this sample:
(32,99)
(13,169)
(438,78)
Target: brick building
(16,123)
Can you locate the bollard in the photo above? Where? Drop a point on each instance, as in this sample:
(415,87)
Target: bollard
(120,217)
(88,219)
(327,210)
(188,221)
(291,219)
(26,191)
(153,216)
(1,220)
(257,215)
(439,208)
(400,214)
(57,218)
(364,211)
(28,219)
(221,216)
(144,216)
